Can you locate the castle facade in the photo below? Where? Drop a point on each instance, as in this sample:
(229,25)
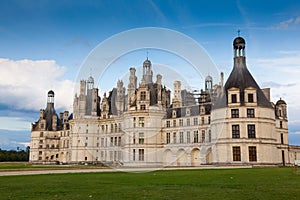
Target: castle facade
(225,124)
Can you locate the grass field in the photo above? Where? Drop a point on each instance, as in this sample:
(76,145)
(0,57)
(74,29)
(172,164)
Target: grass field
(268,183)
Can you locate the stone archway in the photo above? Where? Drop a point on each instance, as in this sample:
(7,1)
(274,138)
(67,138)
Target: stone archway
(181,158)
(168,158)
(195,157)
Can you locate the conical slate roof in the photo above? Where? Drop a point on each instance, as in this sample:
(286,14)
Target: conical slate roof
(241,78)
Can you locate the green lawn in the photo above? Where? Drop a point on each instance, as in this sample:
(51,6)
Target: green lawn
(268,183)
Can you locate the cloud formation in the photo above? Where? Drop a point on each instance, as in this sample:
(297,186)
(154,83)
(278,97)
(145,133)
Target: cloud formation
(24,84)
(287,23)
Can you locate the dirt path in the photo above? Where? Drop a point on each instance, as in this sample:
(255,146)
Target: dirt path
(130,170)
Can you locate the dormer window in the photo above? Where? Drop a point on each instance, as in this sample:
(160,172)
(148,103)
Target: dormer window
(250,98)
(174,113)
(143,96)
(233,98)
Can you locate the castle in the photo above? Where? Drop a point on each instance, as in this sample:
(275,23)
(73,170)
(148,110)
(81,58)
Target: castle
(227,124)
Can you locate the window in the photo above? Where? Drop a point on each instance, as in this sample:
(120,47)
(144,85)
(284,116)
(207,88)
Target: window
(97,144)
(251,131)
(141,121)
(233,98)
(195,121)
(111,141)
(141,138)
(236,153)
(116,141)
(134,122)
(209,136)
(133,155)
(208,119)
(111,128)
(119,127)
(143,107)
(116,128)
(188,122)
(141,154)
(119,141)
(202,120)
(196,137)
(252,154)
(280,124)
(102,142)
(87,131)
(180,122)
(203,136)
(168,124)
(41,134)
(133,138)
(174,123)
(168,138)
(234,113)
(281,137)
(174,138)
(181,137)
(235,131)
(143,96)
(188,137)
(250,98)
(86,144)
(40,152)
(250,113)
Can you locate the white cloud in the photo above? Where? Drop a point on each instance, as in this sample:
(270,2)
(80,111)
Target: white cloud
(24,84)
(288,23)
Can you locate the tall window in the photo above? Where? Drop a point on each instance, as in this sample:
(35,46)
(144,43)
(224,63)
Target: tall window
(203,136)
(141,121)
(234,113)
(188,122)
(174,138)
(280,124)
(119,141)
(168,138)
(174,122)
(188,137)
(143,96)
(250,98)
(251,131)
(250,113)
(102,142)
(133,155)
(195,121)
(133,137)
(209,136)
(134,122)
(112,141)
(233,98)
(208,119)
(141,154)
(202,120)
(196,137)
(252,154)
(235,131)
(168,124)
(180,122)
(141,138)
(281,137)
(181,137)
(236,153)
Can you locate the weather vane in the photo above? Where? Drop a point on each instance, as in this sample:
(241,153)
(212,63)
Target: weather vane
(239,31)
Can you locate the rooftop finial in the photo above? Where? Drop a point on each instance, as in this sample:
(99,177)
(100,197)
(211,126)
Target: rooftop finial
(147,55)
(239,32)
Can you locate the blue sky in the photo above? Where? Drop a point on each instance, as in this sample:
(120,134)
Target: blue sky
(43,44)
